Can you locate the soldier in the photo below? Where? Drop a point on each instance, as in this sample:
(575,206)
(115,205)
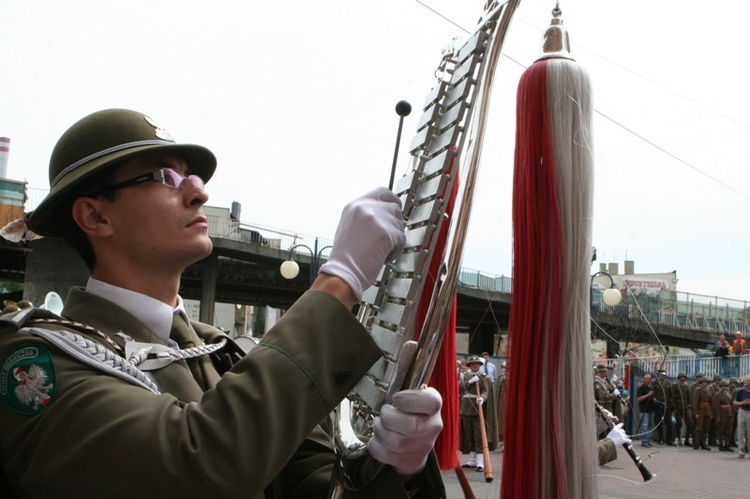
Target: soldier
(605,394)
(471,430)
(682,408)
(701,403)
(713,390)
(722,408)
(122,395)
(663,419)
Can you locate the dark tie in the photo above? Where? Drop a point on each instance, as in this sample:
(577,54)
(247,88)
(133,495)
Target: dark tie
(201,367)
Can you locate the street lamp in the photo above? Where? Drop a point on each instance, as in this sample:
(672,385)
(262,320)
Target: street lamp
(611,296)
(290,269)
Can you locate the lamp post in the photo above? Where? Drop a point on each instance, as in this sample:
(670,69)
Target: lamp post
(290,269)
(611,296)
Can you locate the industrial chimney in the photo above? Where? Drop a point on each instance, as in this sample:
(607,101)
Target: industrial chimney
(4,152)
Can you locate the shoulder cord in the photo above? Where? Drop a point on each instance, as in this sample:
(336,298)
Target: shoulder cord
(150,356)
(78,325)
(97,356)
(139,356)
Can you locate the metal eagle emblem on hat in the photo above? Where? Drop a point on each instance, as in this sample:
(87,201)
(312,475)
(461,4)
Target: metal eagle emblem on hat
(160,131)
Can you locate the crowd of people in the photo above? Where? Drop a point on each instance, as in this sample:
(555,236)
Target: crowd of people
(483,384)
(704,414)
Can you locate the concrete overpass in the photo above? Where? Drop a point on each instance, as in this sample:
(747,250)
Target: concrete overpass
(245,272)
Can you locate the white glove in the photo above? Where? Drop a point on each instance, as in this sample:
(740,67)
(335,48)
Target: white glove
(480,400)
(616,392)
(618,436)
(370,233)
(473,380)
(405,432)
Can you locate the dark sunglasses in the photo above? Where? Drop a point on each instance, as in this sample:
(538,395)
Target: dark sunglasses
(166,176)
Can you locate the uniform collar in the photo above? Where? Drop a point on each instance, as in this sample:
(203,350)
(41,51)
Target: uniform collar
(154,314)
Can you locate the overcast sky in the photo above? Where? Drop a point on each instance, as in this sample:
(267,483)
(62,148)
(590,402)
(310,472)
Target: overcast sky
(296,98)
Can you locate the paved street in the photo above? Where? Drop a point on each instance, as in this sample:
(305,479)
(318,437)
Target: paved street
(680,472)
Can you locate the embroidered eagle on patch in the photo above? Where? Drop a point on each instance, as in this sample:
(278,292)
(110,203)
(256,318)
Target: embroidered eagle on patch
(28,379)
(31,389)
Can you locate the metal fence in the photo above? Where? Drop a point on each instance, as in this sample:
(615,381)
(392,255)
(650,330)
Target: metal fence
(737,366)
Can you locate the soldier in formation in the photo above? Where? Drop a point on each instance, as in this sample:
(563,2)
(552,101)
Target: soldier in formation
(683,410)
(474,387)
(663,418)
(723,414)
(701,402)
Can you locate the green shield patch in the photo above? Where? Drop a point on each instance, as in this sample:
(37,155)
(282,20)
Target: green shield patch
(27,379)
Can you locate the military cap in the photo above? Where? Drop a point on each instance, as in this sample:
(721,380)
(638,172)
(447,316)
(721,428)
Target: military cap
(474,359)
(723,383)
(101,140)
(661,371)
(717,377)
(704,380)
(699,375)
(733,380)
(601,367)
(10,308)
(681,375)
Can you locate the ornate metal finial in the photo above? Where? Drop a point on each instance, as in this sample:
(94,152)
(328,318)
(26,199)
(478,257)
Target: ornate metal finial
(556,43)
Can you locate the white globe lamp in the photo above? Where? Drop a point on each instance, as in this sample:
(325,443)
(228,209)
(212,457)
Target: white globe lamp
(612,297)
(289,269)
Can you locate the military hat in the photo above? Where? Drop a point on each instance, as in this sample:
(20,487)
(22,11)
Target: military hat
(733,380)
(704,380)
(681,375)
(474,359)
(717,377)
(601,367)
(10,308)
(661,371)
(699,375)
(723,383)
(98,141)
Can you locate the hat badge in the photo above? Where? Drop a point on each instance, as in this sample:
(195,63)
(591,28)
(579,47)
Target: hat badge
(159,130)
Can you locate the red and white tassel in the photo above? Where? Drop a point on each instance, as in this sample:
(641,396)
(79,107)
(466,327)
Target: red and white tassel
(550,437)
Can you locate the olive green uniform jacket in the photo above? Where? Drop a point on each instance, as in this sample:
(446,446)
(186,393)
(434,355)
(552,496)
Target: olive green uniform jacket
(101,436)
(606,451)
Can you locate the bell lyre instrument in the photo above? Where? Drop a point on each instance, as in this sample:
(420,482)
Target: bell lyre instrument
(449,138)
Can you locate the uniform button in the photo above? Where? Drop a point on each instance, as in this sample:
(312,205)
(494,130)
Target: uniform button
(344,376)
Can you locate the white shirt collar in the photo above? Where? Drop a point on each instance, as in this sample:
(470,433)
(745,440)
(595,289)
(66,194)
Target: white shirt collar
(154,314)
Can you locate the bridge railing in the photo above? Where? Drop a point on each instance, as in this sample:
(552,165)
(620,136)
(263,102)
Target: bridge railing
(264,235)
(736,366)
(681,310)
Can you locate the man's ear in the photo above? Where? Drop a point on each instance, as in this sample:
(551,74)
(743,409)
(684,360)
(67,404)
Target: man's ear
(90,215)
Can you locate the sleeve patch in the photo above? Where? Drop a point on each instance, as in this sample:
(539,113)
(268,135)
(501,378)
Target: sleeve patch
(27,379)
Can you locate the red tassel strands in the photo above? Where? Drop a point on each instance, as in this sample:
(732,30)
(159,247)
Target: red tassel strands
(549,431)
(444,378)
